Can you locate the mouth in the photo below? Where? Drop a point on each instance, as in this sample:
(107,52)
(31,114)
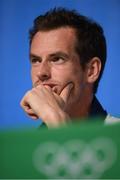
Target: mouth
(53,86)
(49,84)
(57,88)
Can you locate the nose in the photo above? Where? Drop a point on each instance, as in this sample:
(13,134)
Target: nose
(44,71)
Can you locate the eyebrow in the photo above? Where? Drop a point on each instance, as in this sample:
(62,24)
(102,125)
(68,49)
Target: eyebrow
(34,56)
(57,53)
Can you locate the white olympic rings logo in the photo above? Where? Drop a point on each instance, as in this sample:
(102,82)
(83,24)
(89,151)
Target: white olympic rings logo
(75,158)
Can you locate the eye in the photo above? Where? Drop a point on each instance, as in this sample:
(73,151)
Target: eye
(57,60)
(35,60)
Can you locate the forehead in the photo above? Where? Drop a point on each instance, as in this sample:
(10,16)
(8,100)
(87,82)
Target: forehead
(58,39)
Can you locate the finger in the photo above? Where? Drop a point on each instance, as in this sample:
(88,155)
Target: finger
(28,109)
(33,116)
(24,105)
(48,87)
(31,113)
(60,100)
(66,92)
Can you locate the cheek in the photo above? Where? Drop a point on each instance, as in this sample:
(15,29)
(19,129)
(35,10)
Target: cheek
(61,74)
(67,74)
(76,76)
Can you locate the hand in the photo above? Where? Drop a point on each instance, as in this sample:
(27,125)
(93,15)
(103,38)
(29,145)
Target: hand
(42,102)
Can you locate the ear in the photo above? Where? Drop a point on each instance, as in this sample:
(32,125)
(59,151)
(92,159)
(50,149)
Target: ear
(93,70)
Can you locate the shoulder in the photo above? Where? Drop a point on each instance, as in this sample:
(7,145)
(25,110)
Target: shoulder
(111,119)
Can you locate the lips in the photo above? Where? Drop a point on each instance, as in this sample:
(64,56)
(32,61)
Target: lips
(56,87)
(51,85)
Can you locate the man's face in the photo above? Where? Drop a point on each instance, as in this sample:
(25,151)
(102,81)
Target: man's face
(54,62)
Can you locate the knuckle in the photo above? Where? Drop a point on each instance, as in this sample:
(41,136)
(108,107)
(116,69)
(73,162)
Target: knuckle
(29,94)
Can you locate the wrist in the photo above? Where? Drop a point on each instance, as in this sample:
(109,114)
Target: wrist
(56,118)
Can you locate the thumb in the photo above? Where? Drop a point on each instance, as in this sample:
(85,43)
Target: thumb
(66,92)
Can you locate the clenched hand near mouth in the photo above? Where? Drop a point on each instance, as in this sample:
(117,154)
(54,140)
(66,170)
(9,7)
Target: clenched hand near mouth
(42,102)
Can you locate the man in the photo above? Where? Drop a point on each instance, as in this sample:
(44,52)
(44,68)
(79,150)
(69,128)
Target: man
(67,55)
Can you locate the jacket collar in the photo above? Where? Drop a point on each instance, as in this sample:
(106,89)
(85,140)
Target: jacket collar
(96,109)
